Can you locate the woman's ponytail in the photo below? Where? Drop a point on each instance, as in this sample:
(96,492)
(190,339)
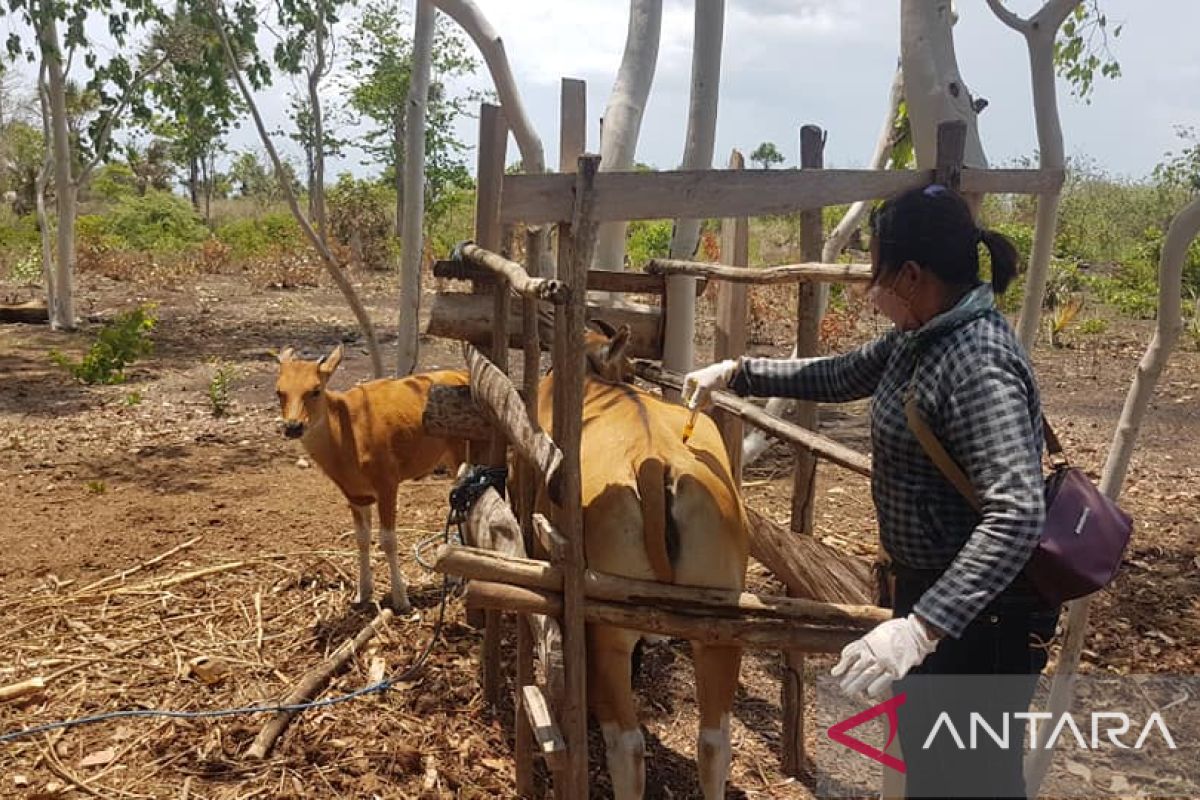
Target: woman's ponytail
(1004,258)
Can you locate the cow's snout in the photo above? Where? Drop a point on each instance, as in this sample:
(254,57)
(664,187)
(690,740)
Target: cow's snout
(293,428)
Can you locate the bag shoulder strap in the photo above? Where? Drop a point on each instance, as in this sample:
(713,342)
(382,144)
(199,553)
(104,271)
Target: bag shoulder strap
(937,453)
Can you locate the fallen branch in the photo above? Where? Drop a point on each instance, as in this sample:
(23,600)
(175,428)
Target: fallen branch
(175,580)
(312,683)
(125,573)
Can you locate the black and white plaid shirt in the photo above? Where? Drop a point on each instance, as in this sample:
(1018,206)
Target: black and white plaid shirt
(976,389)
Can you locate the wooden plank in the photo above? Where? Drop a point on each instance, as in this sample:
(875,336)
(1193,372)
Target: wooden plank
(793,434)
(724,193)
(951,147)
(513,274)
(569,368)
(496,396)
(523,734)
(468,318)
(572,130)
(546,733)
(808,272)
(762,633)
(730,339)
(478,564)
(808,568)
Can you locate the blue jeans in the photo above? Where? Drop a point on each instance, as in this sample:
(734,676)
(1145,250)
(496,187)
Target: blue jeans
(1009,638)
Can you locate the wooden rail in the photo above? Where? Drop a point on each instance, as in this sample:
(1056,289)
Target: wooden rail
(512,273)
(599,280)
(821,446)
(495,394)
(784,273)
(535,199)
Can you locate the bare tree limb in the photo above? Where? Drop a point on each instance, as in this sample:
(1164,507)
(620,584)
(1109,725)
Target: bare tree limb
(1009,18)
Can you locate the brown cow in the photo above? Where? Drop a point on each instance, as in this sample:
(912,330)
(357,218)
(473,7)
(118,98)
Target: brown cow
(366,440)
(656,509)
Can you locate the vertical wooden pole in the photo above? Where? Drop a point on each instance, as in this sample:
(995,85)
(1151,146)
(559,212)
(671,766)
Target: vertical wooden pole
(730,339)
(523,745)
(572,132)
(493,141)
(808,329)
(576,244)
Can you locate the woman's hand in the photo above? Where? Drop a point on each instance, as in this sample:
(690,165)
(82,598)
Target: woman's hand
(887,653)
(699,385)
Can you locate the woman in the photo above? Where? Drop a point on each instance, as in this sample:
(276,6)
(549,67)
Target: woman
(961,605)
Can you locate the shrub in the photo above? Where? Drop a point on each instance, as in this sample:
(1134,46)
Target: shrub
(157,222)
(647,239)
(455,223)
(113,182)
(362,211)
(219,388)
(119,344)
(254,237)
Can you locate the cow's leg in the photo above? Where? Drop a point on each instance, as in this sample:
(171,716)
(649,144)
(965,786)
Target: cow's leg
(387,540)
(610,692)
(362,537)
(716,683)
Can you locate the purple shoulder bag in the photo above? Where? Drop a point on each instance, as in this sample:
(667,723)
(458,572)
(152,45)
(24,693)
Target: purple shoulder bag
(1085,535)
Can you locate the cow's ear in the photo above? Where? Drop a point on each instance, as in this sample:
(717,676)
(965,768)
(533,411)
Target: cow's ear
(618,344)
(602,326)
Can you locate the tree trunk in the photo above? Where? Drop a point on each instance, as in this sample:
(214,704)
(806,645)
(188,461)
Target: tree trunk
(491,47)
(933,87)
(43,181)
(623,116)
(207,167)
(1182,231)
(1039,32)
(331,263)
(398,166)
(411,240)
(679,345)
(62,302)
(194,182)
(316,189)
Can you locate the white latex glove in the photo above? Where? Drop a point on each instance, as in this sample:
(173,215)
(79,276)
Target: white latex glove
(885,654)
(700,384)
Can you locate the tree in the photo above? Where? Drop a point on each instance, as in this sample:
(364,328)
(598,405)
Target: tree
(623,116)
(1181,170)
(60,31)
(380,67)
(767,154)
(196,103)
(240,26)
(252,179)
(22,150)
(305,135)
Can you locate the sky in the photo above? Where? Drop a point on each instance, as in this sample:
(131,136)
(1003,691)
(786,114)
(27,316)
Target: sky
(829,63)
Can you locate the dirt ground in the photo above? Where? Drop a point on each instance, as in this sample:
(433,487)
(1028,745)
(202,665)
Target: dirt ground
(95,481)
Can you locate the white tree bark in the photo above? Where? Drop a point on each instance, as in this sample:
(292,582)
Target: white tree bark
(1039,31)
(43,180)
(757,442)
(623,116)
(491,47)
(411,239)
(327,257)
(61,297)
(316,189)
(679,345)
(1183,229)
(933,87)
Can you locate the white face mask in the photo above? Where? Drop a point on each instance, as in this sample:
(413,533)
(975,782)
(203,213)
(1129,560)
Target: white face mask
(894,307)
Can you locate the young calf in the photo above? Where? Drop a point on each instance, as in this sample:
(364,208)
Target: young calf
(654,508)
(366,440)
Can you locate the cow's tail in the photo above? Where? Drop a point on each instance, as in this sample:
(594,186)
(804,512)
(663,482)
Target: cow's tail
(658,526)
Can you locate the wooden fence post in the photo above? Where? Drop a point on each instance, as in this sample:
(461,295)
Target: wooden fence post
(493,140)
(730,338)
(808,329)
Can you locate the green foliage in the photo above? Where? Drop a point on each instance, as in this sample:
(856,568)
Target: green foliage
(113,182)
(157,222)
(1181,170)
(119,344)
(1081,49)
(22,152)
(380,67)
(767,154)
(254,237)
(253,179)
(1093,326)
(647,239)
(220,386)
(363,208)
(18,234)
(455,223)
(28,269)
(903,153)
